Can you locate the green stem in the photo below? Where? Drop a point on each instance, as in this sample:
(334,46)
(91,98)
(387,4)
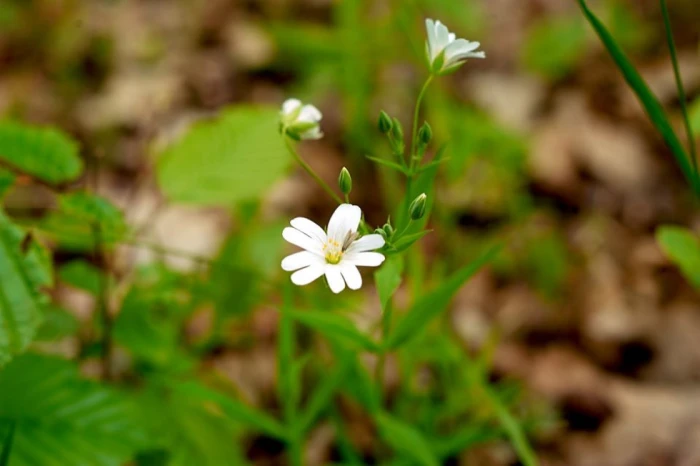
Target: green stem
(311,172)
(679,85)
(414,145)
(414,132)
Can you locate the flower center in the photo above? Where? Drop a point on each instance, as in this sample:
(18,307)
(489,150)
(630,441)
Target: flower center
(333,250)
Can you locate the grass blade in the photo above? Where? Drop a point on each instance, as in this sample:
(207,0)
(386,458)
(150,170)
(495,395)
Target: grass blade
(679,84)
(646,97)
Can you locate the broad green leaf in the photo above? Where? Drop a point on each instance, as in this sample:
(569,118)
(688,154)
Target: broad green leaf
(186,430)
(83,219)
(554,46)
(22,274)
(43,153)
(82,275)
(150,321)
(405,439)
(57,323)
(234,157)
(648,100)
(61,419)
(233,409)
(433,303)
(683,248)
(7,180)
(336,327)
(7,445)
(388,279)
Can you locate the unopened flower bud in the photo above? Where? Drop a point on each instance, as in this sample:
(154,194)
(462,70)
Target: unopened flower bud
(397,130)
(425,134)
(388,229)
(384,122)
(381,232)
(345,181)
(417,207)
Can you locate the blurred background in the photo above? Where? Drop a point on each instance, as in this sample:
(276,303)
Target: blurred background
(550,153)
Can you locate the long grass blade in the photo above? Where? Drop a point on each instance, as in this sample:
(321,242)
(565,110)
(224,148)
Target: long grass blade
(651,104)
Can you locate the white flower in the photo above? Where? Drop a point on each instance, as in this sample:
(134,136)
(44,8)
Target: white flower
(445,52)
(335,254)
(300,121)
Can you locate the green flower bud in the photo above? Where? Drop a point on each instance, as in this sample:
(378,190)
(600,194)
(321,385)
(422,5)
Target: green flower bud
(417,207)
(397,130)
(388,229)
(425,134)
(345,181)
(381,232)
(385,124)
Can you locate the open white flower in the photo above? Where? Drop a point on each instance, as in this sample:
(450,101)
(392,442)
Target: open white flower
(445,52)
(335,254)
(300,121)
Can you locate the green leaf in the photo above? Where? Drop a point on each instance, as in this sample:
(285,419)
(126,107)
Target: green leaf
(388,279)
(322,396)
(150,321)
(186,430)
(7,180)
(694,115)
(7,445)
(336,327)
(683,248)
(406,241)
(82,275)
(554,46)
(405,439)
(388,163)
(62,419)
(234,409)
(82,219)
(43,153)
(650,103)
(433,303)
(21,277)
(57,323)
(234,157)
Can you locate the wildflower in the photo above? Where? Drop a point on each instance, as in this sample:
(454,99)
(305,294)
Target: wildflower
(336,253)
(444,51)
(385,123)
(300,121)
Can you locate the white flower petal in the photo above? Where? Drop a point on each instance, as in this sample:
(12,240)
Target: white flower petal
(366,243)
(300,260)
(313,133)
(305,276)
(309,228)
(443,35)
(364,259)
(309,114)
(451,37)
(298,238)
(352,276)
(432,39)
(346,218)
(290,105)
(459,50)
(335,279)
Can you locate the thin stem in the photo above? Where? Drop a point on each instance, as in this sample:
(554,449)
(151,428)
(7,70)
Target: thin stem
(414,145)
(414,132)
(679,85)
(311,171)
